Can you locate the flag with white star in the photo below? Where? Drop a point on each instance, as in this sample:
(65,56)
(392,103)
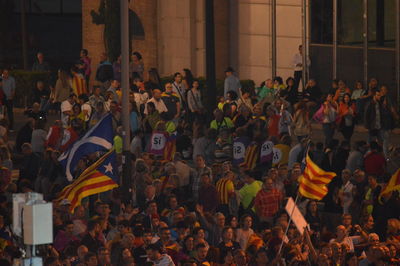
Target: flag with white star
(99,177)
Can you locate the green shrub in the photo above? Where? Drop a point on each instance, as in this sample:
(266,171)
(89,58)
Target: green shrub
(25,82)
(246,84)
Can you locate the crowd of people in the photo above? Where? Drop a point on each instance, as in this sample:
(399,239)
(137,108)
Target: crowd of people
(217,197)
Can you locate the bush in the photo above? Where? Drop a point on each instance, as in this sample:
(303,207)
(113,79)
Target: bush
(246,83)
(25,82)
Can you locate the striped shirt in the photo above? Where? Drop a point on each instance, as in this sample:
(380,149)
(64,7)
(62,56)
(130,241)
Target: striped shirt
(225,188)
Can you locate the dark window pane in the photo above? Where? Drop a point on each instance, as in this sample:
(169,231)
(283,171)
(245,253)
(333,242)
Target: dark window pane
(350,22)
(72,6)
(381,23)
(46,6)
(321,21)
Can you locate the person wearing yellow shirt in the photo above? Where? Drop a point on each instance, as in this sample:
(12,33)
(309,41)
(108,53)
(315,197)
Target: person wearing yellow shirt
(220,122)
(118,141)
(249,191)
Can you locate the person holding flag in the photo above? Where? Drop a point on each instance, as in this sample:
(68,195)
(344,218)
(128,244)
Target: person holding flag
(313,182)
(99,177)
(98,138)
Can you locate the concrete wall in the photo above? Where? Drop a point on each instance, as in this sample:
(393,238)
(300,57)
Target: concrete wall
(254,38)
(92,34)
(181,36)
(175,35)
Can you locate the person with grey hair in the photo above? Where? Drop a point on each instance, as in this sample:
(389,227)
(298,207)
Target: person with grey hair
(214,228)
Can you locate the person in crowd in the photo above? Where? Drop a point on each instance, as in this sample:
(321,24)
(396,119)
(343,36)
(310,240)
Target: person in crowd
(341,91)
(136,66)
(302,123)
(40,64)
(62,89)
(298,67)
(8,87)
(231,83)
(326,115)
(347,116)
(87,61)
(104,72)
(157,101)
(266,92)
(40,94)
(209,194)
(193,201)
(312,93)
(195,103)
(171,101)
(267,201)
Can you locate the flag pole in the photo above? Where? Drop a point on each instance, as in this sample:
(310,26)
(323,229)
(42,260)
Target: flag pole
(290,220)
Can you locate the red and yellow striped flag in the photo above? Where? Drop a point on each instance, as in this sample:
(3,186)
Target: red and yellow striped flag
(251,156)
(313,181)
(394,184)
(78,84)
(90,182)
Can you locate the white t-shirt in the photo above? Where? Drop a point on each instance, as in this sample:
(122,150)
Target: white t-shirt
(160,106)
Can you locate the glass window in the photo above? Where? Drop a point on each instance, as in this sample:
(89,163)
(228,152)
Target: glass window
(72,6)
(350,22)
(381,23)
(321,21)
(46,6)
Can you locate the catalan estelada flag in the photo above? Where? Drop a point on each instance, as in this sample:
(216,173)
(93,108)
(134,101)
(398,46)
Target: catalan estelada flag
(394,184)
(78,84)
(313,181)
(99,177)
(251,156)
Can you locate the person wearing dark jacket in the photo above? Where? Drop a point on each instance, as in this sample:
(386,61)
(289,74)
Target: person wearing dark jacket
(105,72)
(30,163)
(312,93)
(24,135)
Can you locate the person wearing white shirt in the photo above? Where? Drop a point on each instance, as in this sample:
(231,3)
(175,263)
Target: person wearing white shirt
(158,102)
(346,191)
(298,67)
(342,238)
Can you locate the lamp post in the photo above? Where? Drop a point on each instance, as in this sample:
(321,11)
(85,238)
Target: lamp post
(126,156)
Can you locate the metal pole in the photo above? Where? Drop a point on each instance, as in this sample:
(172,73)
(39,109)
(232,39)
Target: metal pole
(126,159)
(273,36)
(365,42)
(398,49)
(334,40)
(210,55)
(304,42)
(24,37)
